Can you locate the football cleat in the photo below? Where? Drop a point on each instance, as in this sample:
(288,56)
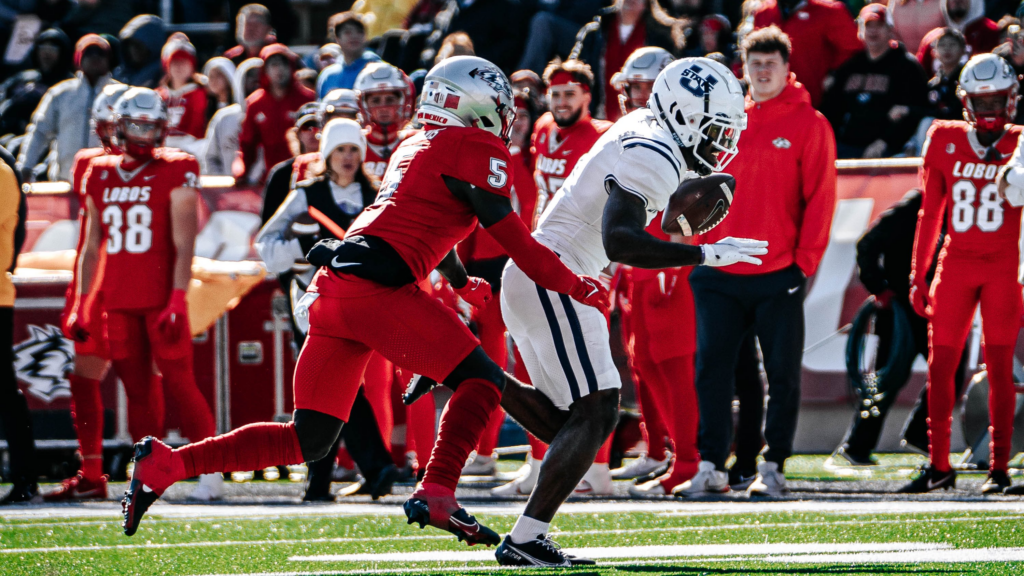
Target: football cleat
(209,488)
(79,488)
(930,479)
(155,469)
(641,467)
(708,481)
(738,480)
(382,484)
(596,482)
(648,489)
(843,458)
(542,552)
(21,494)
(436,506)
(523,485)
(481,466)
(418,387)
(997,482)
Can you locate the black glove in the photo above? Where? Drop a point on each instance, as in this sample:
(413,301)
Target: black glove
(323,252)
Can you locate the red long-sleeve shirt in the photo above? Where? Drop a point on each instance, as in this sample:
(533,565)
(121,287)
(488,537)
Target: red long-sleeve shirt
(186,109)
(823,34)
(267,119)
(785,183)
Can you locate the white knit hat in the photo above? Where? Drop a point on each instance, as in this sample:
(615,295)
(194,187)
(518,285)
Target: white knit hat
(342,131)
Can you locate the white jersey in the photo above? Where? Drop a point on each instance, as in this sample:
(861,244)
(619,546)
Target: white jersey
(641,157)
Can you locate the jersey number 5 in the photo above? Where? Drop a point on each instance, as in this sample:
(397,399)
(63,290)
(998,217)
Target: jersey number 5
(137,238)
(498,176)
(989,215)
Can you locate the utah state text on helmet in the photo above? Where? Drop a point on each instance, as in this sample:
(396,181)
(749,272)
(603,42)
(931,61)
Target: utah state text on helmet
(700,103)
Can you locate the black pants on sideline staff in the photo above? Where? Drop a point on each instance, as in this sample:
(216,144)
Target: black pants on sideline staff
(728,307)
(14,409)
(750,393)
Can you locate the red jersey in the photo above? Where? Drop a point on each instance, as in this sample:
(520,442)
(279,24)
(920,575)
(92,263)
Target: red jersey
(81,164)
(415,212)
(959,187)
(480,245)
(135,219)
(378,155)
(186,110)
(557,150)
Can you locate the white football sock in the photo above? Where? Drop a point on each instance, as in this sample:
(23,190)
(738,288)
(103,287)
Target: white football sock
(527,529)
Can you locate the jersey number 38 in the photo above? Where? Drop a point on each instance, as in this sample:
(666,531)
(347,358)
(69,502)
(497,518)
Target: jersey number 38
(136,237)
(988,216)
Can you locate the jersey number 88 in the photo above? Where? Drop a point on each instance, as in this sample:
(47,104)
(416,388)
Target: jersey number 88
(989,214)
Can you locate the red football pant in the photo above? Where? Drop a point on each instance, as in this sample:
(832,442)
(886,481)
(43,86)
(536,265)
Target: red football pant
(960,284)
(669,385)
(491,329)
(135,343)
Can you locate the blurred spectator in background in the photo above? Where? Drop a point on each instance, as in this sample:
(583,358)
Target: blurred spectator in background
(253,31)
(913,19)
(876,99)
(967,16)
(553,32)
(529,82)
(631,25)
(455,44)
(184,93)
(307,77)
(715,35)
(1012,50)
(787,158)
(220,74)
(328,54)
(226,124)
(52,61)
(96,16)
(270,112)
(13,408)
(823,36)
(61,121)
(350,32)
(948,52)
(142,38)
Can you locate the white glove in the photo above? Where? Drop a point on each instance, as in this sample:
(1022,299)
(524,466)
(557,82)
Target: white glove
(301,311)
(731,250)
(1014,196)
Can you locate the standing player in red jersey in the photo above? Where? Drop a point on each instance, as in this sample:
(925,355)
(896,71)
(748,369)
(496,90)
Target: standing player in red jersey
(85,328)
(365,298)
(386,100)
(978,262)
(141,226)
(560,138)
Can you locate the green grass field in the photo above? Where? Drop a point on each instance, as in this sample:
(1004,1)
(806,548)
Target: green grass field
(959,534)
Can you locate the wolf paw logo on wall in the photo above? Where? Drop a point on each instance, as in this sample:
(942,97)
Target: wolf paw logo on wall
(43,361)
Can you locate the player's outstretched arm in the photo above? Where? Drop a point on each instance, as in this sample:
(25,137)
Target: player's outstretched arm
(626,241)
(476,291)
(538,262)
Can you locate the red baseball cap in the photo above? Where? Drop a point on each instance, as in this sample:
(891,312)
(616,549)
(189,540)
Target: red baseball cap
(873,12)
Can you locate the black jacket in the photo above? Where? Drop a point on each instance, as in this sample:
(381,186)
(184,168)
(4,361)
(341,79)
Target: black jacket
(942,96)
(885,251)
(862,92)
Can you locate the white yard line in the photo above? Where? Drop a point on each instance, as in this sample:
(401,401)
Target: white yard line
(604,553)
(666,507)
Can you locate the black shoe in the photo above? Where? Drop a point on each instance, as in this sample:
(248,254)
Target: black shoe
(459,523)
(22,494)
(847,458)
(137,499)
(318,496)
(915,440)
(380,485)
(740,480)
(1017,490)
(997,481)
(417,388)
(930,479)
(542,552)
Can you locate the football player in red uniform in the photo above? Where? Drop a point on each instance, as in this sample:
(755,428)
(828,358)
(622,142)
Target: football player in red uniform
(386,98)
(141,226)
(365,298)
(560,138)
(978,262)
(85,329)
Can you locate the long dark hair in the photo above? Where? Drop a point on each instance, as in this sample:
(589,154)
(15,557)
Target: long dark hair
(365,179)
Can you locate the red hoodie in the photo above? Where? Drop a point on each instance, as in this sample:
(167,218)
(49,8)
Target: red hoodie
(785,183)
(267,119)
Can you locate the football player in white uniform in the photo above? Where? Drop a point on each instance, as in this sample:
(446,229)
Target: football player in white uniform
(690,127)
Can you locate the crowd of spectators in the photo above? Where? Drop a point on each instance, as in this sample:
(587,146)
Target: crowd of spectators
(878,72)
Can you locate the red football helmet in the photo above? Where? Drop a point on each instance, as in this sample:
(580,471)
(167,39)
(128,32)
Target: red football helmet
(988,75)
(141,122)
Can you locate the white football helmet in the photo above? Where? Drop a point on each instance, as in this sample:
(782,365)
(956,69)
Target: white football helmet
(341,102)
(141,121)
(103,111)
(642,67)
(700,101)
(468,91)
(987,75)
(383,77)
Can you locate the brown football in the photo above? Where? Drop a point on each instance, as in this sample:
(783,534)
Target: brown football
(698,205)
